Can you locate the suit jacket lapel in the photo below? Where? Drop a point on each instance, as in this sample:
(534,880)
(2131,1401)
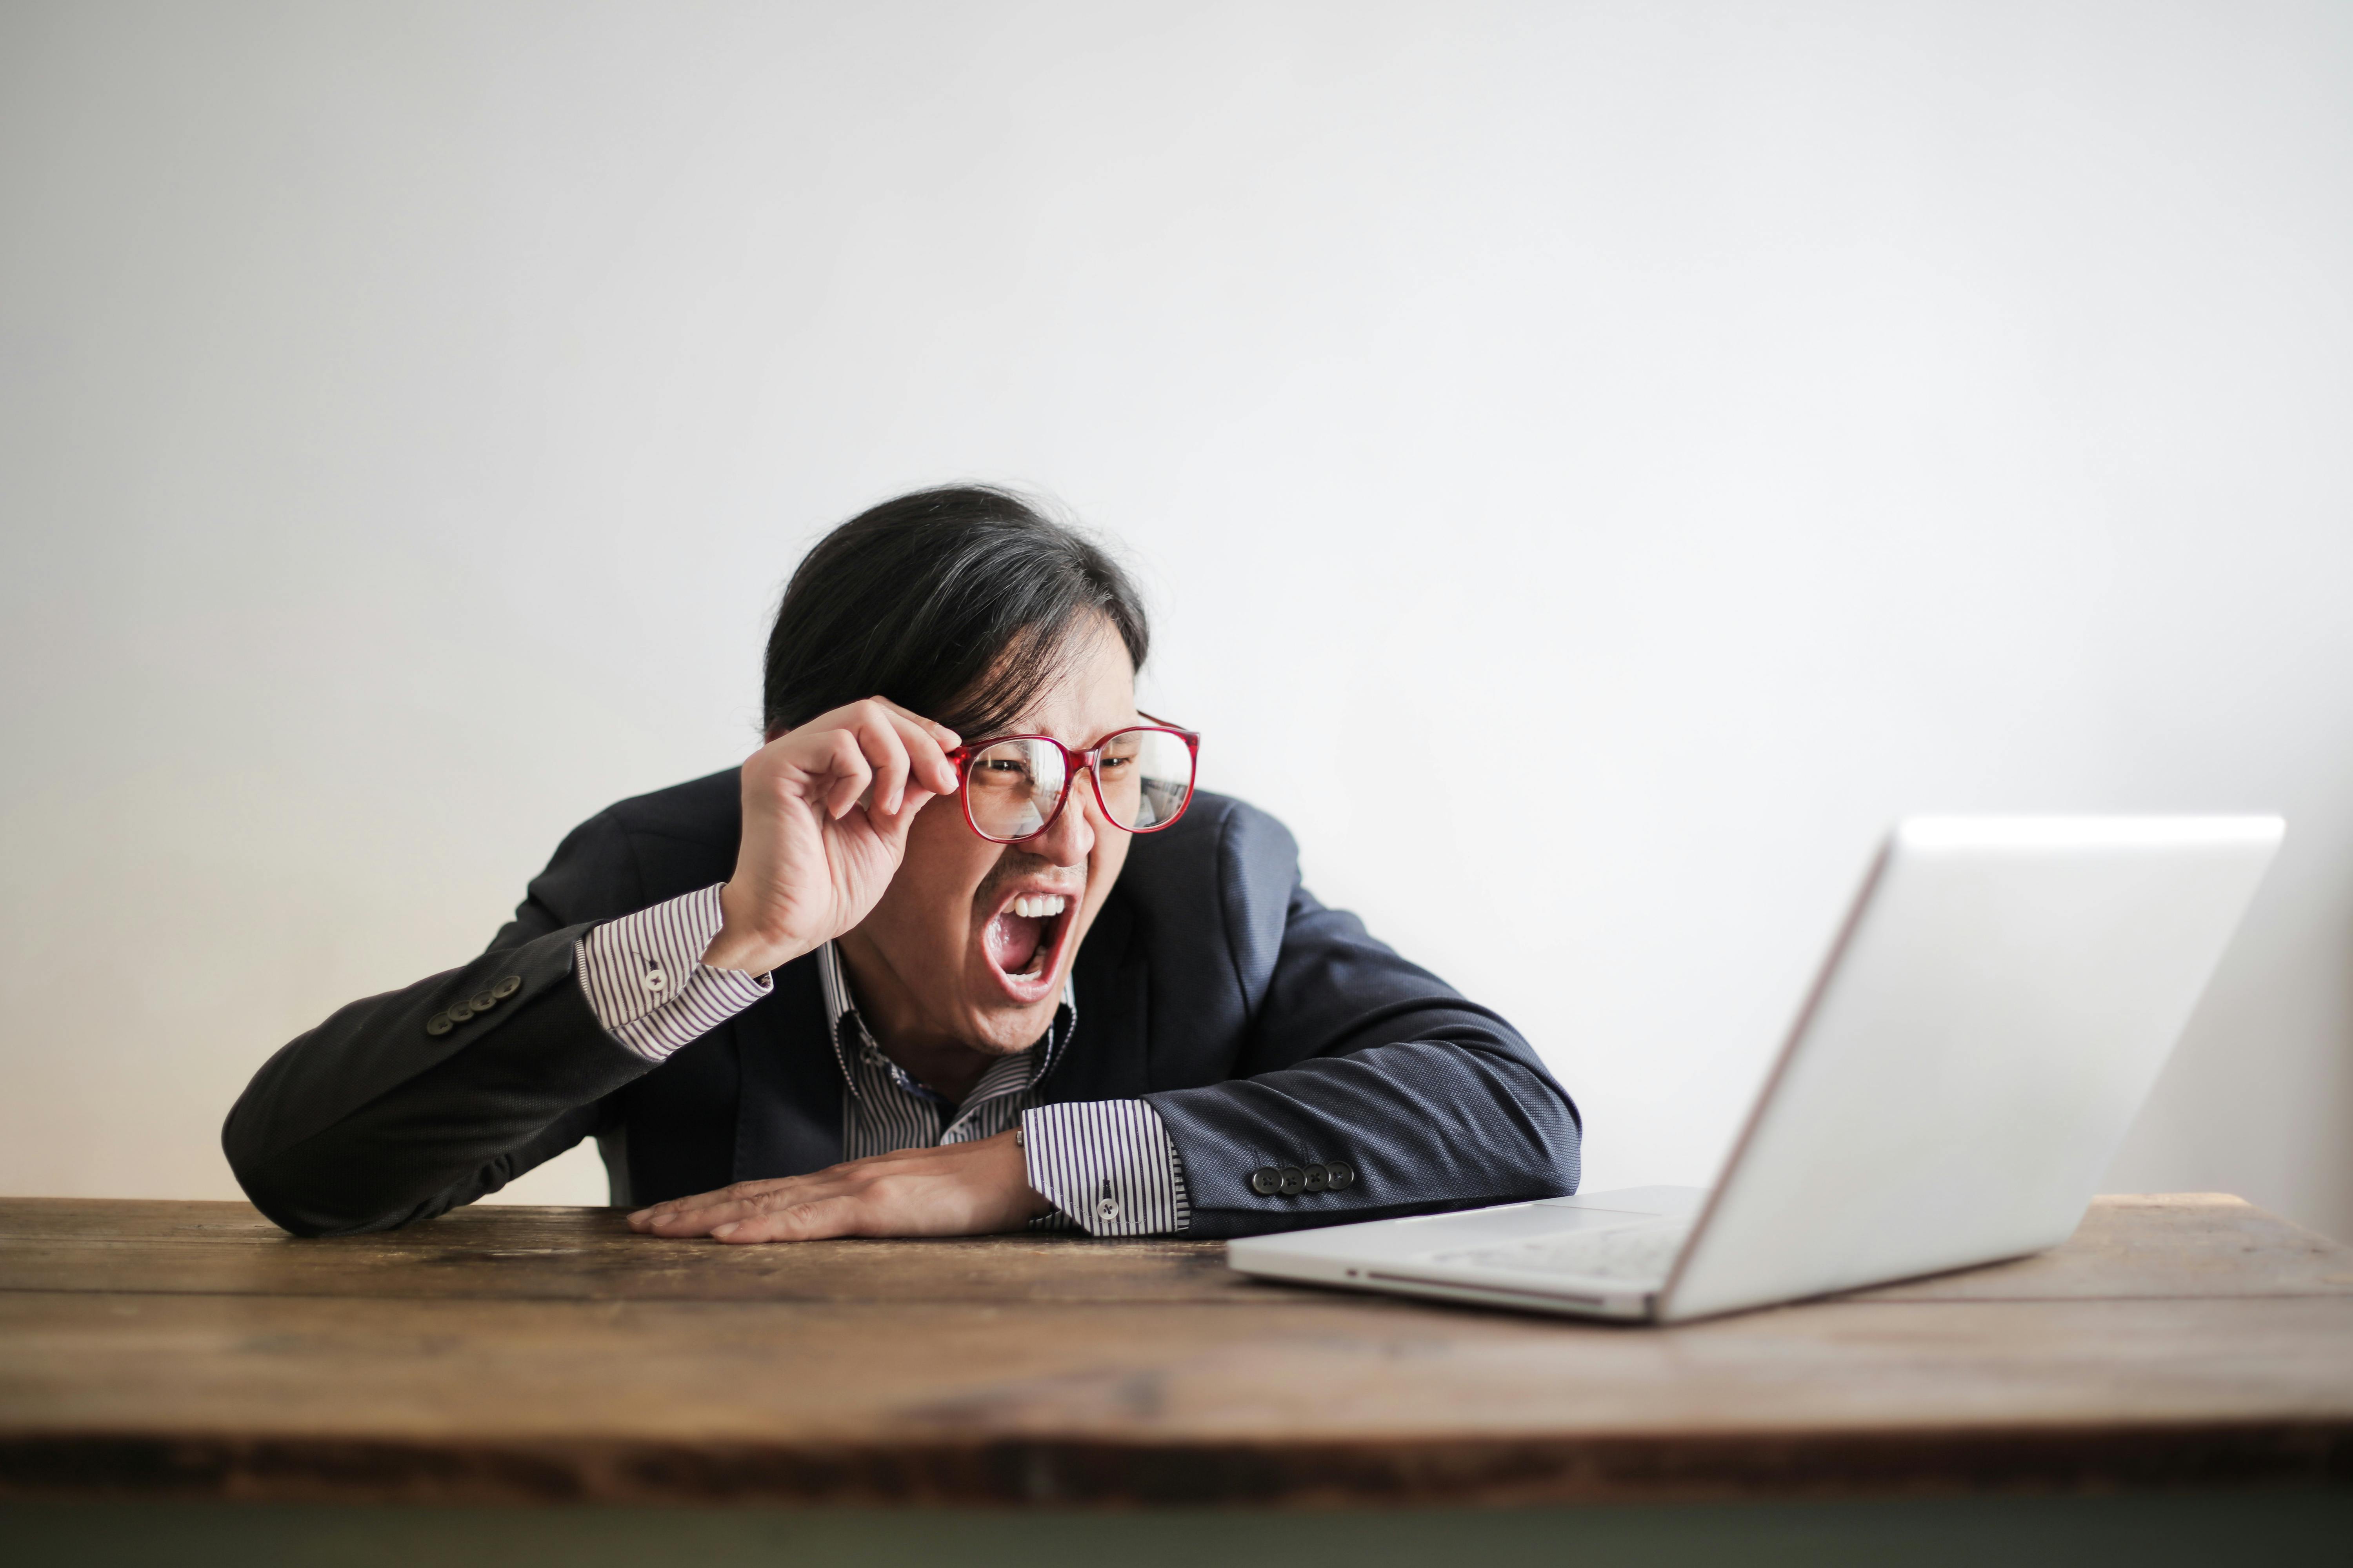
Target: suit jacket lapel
(1108,1055)
(788,1113)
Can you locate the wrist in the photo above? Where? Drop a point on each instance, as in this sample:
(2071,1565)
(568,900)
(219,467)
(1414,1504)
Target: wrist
(739,948)
(1035,1203)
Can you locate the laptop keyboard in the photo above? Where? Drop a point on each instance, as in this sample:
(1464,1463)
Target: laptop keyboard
(1630,1252)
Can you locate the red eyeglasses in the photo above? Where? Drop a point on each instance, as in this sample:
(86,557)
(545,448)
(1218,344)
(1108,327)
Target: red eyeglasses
(1014,786)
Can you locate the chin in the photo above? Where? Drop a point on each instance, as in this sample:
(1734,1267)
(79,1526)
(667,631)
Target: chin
(1002,1030)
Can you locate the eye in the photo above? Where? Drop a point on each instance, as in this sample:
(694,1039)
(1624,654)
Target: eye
(992,772)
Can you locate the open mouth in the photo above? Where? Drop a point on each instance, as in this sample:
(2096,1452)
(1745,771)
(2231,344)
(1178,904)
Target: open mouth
(1024,942)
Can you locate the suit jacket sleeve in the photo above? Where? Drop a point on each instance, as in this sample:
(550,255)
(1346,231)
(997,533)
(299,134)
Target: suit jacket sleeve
(1353,1054)
(369,1120)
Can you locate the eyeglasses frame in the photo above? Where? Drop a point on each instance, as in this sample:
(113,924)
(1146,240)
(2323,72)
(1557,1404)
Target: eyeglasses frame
(1074,763)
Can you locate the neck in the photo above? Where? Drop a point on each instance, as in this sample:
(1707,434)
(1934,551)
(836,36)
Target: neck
(933,1058)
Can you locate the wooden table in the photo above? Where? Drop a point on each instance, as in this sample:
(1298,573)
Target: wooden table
(506,1356)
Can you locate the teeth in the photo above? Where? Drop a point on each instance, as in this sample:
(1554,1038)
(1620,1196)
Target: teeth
(1039,906)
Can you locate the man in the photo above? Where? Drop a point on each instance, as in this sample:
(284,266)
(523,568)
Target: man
(958,949)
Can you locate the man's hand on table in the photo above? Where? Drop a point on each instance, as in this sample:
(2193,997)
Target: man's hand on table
(954,1189)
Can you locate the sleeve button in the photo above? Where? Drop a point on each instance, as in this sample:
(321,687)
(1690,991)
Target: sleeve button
(439,1024)
(1294,1181)
(1266,1181)
(483,1001)
(1338,1178)
(459,1013)
(507,987)
(1316,1176)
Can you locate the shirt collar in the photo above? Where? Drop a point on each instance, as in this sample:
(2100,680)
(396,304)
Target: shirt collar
(839,1004)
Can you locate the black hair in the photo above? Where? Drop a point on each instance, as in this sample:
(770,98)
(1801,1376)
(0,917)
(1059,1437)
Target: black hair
(958,603)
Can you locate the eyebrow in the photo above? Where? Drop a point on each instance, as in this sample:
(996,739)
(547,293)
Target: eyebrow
(1098,733)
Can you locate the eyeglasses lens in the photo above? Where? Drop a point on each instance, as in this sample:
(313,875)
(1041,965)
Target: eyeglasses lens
(1146,776)
(1012,788)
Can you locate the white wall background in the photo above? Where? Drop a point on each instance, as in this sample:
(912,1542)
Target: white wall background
(1723,426)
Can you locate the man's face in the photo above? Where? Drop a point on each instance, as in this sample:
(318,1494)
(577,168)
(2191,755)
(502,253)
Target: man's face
(947,957)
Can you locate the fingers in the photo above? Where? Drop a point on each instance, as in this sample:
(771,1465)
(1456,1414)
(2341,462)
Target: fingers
(697,1215)
(846,773)
(960,1189)
(941,734)
(905,754)
(880,741)
(875,751)
(819,1219)
(724,1197)
(925,746)
(705,1213)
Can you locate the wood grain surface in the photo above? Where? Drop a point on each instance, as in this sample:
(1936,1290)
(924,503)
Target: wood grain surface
(503,1355)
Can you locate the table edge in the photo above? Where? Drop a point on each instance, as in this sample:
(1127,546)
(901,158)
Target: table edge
(1016,1471)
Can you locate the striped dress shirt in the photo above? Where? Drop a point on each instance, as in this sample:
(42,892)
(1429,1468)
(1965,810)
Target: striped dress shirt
(1107,1166)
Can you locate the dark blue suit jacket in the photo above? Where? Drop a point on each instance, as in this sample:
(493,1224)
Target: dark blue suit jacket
(1263,1027)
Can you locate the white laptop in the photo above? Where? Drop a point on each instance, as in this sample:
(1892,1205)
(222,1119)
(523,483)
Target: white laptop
(1988,1021)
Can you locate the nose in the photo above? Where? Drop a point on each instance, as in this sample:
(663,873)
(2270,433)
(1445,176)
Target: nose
(1073,837)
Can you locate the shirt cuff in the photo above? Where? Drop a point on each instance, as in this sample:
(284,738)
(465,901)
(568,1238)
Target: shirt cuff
(1108,1164)
(646,980)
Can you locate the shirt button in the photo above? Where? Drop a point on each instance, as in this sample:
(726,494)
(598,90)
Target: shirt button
(655,980)
(1106,1209)
(1266,1181)
(1294,1181)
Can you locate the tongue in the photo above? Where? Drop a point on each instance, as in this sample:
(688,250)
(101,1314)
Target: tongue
(1013,941)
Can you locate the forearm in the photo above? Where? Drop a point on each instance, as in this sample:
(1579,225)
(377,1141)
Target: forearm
(397,1105)
(1420,1126)
(406,1104)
